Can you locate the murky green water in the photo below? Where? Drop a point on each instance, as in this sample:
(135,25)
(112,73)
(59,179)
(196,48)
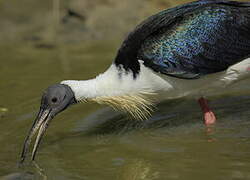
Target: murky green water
(93,142)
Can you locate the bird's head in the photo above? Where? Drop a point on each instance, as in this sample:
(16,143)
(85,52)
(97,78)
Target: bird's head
(55,99)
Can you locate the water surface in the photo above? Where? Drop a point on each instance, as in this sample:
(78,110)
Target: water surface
(90,141)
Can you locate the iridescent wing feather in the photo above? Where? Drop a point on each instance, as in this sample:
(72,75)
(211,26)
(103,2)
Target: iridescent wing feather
(191,40)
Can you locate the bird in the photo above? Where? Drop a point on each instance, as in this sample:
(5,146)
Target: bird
(195,49)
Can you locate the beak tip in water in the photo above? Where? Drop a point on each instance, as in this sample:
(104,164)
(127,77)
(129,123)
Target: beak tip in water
(40,124)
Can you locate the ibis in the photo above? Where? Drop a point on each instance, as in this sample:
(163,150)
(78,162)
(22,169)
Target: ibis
(195,49)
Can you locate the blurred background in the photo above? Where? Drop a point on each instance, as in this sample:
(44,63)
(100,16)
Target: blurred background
(74,21)
(45,42)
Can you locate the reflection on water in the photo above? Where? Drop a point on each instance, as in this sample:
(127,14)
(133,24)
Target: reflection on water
(172,113)
(94,142)
(138,169)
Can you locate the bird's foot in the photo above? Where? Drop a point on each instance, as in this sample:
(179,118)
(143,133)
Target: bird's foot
(209,116)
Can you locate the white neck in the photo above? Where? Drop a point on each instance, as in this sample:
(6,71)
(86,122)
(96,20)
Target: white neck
(117,82)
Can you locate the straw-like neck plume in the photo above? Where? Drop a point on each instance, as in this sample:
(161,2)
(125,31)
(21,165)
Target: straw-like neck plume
(121,90)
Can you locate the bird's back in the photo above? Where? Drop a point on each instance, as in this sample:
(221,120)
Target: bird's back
(191,40)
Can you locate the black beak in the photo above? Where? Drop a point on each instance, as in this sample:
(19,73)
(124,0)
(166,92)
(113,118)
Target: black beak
(40,124)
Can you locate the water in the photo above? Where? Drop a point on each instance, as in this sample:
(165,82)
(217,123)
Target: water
(90,141)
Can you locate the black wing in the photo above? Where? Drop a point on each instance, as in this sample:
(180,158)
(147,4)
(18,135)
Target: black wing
(191,40)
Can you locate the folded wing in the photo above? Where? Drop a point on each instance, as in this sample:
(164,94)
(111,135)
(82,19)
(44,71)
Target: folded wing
(191,40)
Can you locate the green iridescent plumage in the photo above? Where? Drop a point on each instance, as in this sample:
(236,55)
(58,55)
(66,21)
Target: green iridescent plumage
(191,40)
(185,38)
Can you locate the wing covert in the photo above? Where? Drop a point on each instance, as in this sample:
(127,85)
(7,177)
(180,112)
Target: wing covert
(194,39)
(206,41)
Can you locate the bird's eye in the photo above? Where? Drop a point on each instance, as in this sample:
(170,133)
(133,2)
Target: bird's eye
(54,100)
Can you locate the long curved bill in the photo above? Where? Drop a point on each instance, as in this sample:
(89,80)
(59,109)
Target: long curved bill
(39,125)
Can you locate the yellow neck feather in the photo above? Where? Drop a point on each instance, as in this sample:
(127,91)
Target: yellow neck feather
(139,106)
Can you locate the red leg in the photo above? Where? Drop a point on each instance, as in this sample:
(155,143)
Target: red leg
(209,117)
